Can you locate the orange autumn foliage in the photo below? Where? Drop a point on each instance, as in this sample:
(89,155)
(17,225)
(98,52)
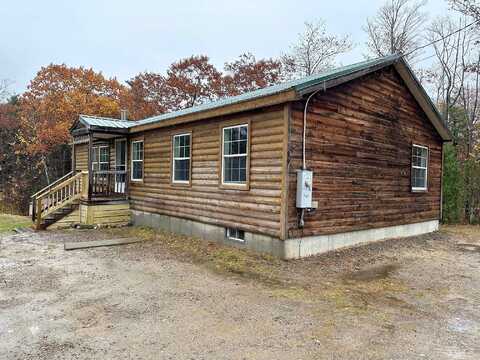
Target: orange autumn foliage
(55,98)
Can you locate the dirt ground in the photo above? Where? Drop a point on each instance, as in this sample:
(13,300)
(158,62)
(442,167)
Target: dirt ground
(177,298)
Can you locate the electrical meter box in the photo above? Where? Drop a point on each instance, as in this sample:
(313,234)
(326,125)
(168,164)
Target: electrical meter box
(304,189)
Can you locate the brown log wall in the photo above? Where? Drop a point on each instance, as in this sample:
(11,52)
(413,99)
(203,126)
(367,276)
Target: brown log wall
(257,209)
(81,157)
(359,140)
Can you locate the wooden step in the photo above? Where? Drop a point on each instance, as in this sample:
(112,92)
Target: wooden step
(58,214)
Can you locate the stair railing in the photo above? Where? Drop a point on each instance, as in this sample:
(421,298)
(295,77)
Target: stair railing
(47,188)
(59,195)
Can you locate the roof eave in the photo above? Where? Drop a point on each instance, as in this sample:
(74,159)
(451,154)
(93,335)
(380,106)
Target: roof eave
(423,99)
(247,105)
(78,121)
(305,89)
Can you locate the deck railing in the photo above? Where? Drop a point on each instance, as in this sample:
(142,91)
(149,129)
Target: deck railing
(109,183)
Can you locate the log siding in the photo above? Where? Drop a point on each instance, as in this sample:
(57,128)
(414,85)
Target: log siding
(359,141)
(81,157)
(256,209)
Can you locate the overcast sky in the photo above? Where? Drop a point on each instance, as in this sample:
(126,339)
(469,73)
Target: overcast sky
(124,37)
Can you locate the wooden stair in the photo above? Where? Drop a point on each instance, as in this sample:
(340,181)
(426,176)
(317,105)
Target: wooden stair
(58,215)
(58,199)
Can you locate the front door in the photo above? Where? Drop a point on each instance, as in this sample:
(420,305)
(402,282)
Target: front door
(120,165)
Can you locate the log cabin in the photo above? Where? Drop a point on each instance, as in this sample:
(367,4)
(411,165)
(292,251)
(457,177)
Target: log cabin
(337,159)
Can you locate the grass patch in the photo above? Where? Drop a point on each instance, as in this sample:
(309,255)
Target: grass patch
(289,280)
(215,256)
(9,222)
(463,230)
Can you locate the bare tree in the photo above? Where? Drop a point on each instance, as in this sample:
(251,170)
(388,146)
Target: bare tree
(470,102)
(467,7)
(315,50)
(4,91)
(452,54)
(396,28)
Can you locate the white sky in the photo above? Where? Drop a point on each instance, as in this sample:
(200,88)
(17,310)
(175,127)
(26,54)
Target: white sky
(124,37)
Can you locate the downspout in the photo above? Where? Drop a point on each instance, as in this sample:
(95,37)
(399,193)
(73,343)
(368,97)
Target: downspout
(304,161)
(301,222)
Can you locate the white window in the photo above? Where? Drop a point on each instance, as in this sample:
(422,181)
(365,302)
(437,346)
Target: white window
(104,158)
(137,160)
(100,158)
(181,158)
(95,158)
(235,154)
(235,234)
(419,167)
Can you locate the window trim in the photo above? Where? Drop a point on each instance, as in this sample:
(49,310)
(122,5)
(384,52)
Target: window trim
(234,238)
(231,185)
(97,148)
(425,188)
(132,161)
(172,161)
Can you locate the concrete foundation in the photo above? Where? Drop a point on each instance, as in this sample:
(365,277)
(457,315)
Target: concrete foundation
(255,242)
(288,249)
(313,245)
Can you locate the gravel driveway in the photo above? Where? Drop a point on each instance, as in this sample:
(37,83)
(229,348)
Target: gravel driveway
(401,299)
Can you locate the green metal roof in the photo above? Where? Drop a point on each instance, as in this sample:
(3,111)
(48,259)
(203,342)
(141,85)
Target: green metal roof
(297,85)
(105,122)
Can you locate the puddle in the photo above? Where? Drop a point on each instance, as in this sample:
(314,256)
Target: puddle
(461,325)
(373,273)
(469,247)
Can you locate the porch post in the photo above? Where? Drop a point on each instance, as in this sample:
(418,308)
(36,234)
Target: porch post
(127,167)
(90,160)
(74,165)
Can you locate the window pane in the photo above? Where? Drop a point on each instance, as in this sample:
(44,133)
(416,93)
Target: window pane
(242,147)
(95,154)
(424,157)
(103,154)
(235,169)
(137,151)
(187,145)
(419,178)
(137,170)
(419,156)
(234,147)
(227,135)
(182,170)
(181,146)
(243,133)
(227,149)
